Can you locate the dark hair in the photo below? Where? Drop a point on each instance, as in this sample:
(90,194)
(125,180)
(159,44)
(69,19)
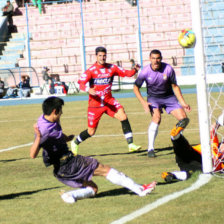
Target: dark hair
(101,49)
(52,103)
(155,51)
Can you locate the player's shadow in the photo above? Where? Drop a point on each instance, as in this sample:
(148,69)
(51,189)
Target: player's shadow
(12,160)
(119,153)
(157,152)
(15,195)
(114,192)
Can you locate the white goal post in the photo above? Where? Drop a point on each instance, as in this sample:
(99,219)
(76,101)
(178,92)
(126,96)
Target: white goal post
(202,98)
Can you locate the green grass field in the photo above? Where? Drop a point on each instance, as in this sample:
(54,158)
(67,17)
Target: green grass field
(29,193)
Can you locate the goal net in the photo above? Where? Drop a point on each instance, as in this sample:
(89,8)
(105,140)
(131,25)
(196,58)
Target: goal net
(209,26)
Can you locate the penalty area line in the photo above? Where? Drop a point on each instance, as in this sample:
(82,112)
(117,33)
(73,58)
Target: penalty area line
(202,180)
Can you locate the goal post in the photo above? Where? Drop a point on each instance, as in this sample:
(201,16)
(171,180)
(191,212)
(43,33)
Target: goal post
(202,98)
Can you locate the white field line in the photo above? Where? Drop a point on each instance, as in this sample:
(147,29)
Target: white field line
(67,117)
(95,136)
(16,147)
(202,180)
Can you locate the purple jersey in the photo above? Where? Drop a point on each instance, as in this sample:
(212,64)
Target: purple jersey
(70,170)
(158,83)
(52,141)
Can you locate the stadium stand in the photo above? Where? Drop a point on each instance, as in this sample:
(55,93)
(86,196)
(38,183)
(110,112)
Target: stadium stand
(56,37)
(56,34)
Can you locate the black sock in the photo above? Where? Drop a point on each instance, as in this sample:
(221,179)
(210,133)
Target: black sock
(126,127)
(82,137)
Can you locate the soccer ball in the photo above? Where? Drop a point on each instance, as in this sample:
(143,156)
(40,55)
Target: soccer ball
(187,38)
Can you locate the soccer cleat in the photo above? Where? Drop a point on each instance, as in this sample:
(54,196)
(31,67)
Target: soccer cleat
(168,177)
(74,148)
(147,188)
(151,154)
(68,198)
(175,131)
(179,128)
(133,148)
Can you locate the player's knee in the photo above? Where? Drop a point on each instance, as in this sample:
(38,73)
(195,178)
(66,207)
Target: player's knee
(91,131)
(183,123)
(121,115)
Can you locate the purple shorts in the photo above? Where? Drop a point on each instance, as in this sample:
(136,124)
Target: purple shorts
(169,103)
(76,170)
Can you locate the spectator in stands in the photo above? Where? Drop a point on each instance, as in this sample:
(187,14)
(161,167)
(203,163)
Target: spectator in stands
(38,3)
(21,90)
(21,3)
(8,11)
(2,86)
(58,82)
(24,87)
(45,74)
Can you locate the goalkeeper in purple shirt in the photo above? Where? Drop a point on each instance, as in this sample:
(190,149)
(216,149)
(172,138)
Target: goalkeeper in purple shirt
(163,93)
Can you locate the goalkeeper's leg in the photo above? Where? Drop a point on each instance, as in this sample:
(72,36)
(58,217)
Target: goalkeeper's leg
(178,128)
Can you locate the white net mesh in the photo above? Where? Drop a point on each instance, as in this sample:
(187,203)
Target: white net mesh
(212,13)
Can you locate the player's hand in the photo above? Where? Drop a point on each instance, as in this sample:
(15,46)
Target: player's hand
(137,67)
(146,106)
(187,107)
(92,91)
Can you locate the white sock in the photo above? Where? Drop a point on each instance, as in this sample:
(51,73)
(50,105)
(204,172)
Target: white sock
(180,175)
(121,179)
(152,133)
(81,193)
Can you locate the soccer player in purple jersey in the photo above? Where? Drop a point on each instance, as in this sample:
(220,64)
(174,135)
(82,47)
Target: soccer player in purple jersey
(74,171)
(163,93)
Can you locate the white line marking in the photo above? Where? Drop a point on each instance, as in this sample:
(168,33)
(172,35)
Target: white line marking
(16,147)
(202,180)
(64,117)
(95,136)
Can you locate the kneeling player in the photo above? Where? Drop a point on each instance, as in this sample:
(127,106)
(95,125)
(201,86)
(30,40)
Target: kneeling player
(74,171)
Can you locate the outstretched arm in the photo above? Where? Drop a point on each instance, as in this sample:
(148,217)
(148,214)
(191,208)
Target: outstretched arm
(127,73)
(35,148)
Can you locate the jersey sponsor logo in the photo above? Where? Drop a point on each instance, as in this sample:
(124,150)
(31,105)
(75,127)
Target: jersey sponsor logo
(96,72)
(102,81)
(102,70)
